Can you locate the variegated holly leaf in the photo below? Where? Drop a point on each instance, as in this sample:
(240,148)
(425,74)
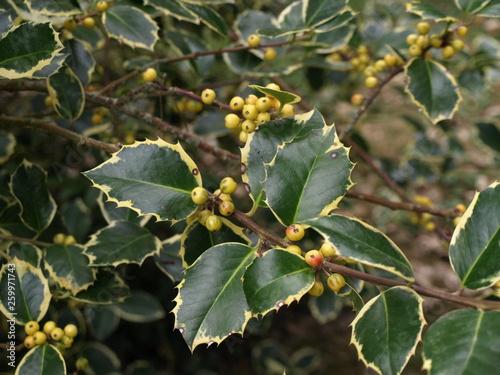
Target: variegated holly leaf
(108,288)
(27,252)
(150,177)
(67,93)
(44,359)
(428,11)
(169,261)
(79,60)
(211,304)
(284,97)
(475,244)
(7,144)
(276,279)
(387,330)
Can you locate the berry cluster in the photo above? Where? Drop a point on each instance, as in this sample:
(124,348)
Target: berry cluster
(420,43)
(188,104)
(255,111)
(270,53)
(423,219)
(98,115)
(459,209)
(208,201)
(63,239)
(63,337)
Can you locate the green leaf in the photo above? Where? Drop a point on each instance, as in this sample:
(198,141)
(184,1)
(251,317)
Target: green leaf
(111,212)
(169,261)
(209,17)
(341,19)
(471,6)
(102,360)
(463,342)
(326,307)
(131,26)
(242,62)
(121,242)
(174,8)
(211,304)
(489,134)
(78,219)
(108,288)
(387,330)
(42,360)
(29,186)
(69,267)
(475,244)
(24,290)
(27,48)
(11,223)
(359,241)
(102,321)
(93,37)
(308,176)
(196,239)
(283,96)
(432,88)
(150,177)
(7,16)
(335,39)
(80,60)
(490,10)
(261,147)
(67,93)
(187,43)
(140,307)
(26,252)
(52,9)
(276,279)
(7,144)
(427,11)
(317,12)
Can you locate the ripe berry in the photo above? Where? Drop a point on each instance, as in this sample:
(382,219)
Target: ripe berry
(287,110)
(208,96)
(423,28)
(270,54)
(49,326)
(59,238)
(294,249)
(237,103)
(462,31)
(31,327)
(231,121)
(69,24)
(248,126)
(69,240)
(295,232)
(226,208)
(448,52)
(71,330)
(29,342)
(317,289)
(213,223)
(357,99)
(313,258)
(253,40)
(250,111)
(89,22)
(199,195)
(39,338)
(415,50)
(263,117)
(102,6)
(335,282)
(371,82)
(203,216)
(228,185)
(149,75)
(328,250)
(57,333)
(263,104)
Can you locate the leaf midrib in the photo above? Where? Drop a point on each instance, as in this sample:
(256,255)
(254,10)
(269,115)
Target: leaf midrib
(145,183)
(281,277)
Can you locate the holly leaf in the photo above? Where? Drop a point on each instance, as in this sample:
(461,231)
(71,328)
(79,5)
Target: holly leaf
(474,247)
(211,304)
(387,330)
(427,11)
(46,359)
(108,288)
(283,96)
(169,260)
(67,93)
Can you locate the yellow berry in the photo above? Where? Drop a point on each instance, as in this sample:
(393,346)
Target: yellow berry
(294,249)
(225,197)
(390,60)
(69,240)
(96,119)
(423,28)
(411,39)
(423,200)
(251,99)
(57,333)
(49,326)
(237,103)
(270,54)
(435,40)
(67,341)
(295,232)
(208,96)
(314,258)
(460,208)
(199,195)
(69,24)
(71,330)
(369,71)
(462,31)
(456,220)
(430,226)
(250,111)
(194,106)
(448,52)
(422,42)
(228,185)
(39,338)
(149,75)
(31,327)
(287,110)
(357,99)
(263,117)
(59,238)
(248,126)
(317,289)
(89,22)
(380,65)
(213,223)
(328,250)
(335,282)
(226,208)
(82,364)
(203,216)
(102,6)
(457,44)
(364,58)
(415,50)
(263,104)
(48,101)
(273,86)
(334,57)
(253,40)
(231,121)
(243,137)
(29,342)
(371,82)
(362,49)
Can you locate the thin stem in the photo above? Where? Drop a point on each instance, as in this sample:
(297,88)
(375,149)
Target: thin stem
(27,240)
(257,229)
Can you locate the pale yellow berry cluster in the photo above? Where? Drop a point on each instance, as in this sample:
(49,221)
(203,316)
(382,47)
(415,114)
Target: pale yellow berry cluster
(63,337)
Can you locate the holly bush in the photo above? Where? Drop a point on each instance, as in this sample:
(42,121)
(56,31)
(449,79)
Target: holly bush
(241,164)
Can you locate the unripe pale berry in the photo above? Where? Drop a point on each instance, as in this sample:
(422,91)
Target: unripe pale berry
(457,44)
(371,82)
(270,54)
(89,22)
(82,364)
(149,75)
(237,103)
(253,40)
(29,342)
(31,327)
(263,104)
(102,6)
(328,250)
(456,220)
(69,240)
(59,238)
(390,59)
(49,326)
(251,99)
(71,330)
(231,121)
(415,50)
(411,39)
(294,249)
(208,96)
(448,52)
(243,137)
(194,106)
(203,216)
(226,208)
(357,99)
(57,333)
(317,289)
(228,185)
(39,338)
(295,232)
(263,117)
(462,31)
(213,223)
(423,28)
(314,258)
(248,126)
(369,71)
(335,282)
(287,110)
(435,40)
(250,111)
(380,65)
(199,195)
(67,341)
(69,24)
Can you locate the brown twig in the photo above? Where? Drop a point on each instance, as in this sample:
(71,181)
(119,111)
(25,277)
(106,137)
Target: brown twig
(257,229)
